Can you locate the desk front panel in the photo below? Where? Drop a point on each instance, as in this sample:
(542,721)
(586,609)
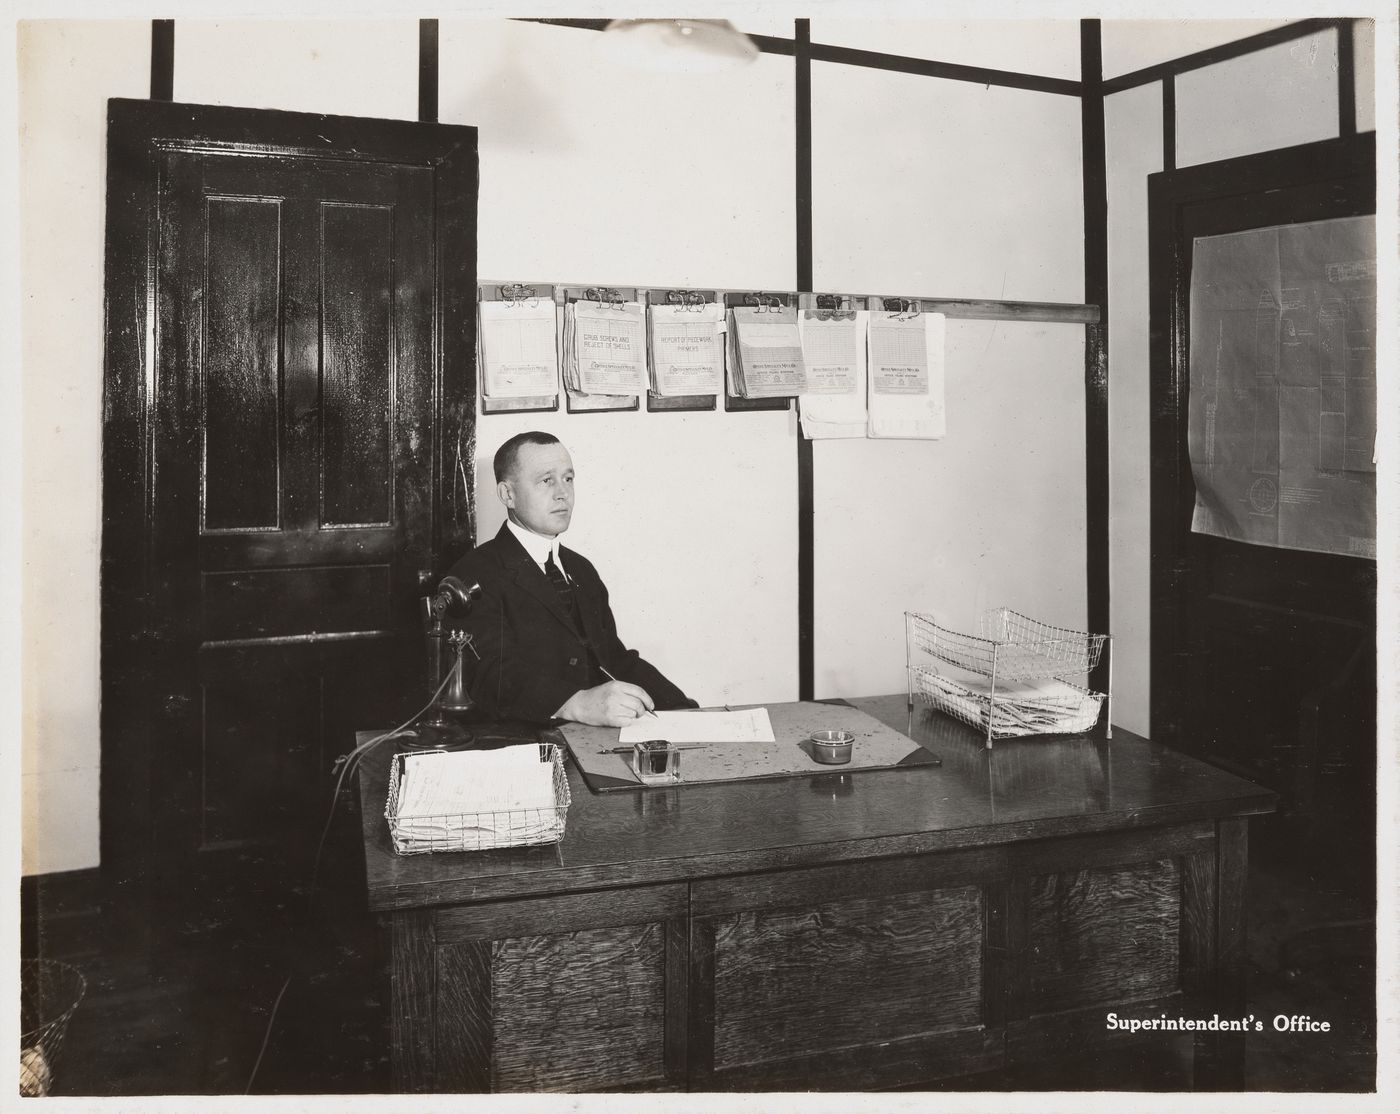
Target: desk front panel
(920,967)
(856,976)
(925,924)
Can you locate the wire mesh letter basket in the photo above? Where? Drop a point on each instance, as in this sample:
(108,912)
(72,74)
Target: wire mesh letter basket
(1011,678)
(478,831)
(49,993)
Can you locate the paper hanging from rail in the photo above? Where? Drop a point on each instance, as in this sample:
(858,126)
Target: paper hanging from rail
(686,352)
(765,352)
(834,347)
(519,358)
(906,375)
(605,348)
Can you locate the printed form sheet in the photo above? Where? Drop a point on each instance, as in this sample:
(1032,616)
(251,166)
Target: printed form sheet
(687,349)
(518,354)
(1281,420)
(834,347)
(906,375)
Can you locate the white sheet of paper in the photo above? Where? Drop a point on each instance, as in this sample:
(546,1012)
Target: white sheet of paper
(830,347)
(906,375)
(748,725)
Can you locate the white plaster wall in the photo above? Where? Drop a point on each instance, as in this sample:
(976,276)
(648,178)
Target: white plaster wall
(1364,48)
(1133,135)
(1049,47)
(1135,44)
(592,172)
(948,189)
(67,70)
(1278,97)
(345,67)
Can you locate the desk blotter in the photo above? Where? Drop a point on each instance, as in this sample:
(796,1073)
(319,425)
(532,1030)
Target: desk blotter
(877,747)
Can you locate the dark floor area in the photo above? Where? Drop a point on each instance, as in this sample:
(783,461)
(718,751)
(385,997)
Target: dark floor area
(182,979)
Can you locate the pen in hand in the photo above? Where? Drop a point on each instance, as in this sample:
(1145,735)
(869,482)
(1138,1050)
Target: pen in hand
(645,710)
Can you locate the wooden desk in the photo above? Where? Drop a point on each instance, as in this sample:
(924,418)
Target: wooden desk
(851,931)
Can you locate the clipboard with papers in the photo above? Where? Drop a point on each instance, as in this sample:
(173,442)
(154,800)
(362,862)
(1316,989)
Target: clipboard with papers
(603,348)
(517,348)
(750,301)
(834,343)
(685,349)
(906,371)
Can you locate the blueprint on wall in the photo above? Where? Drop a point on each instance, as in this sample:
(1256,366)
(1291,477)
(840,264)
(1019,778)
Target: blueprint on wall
(1281,424)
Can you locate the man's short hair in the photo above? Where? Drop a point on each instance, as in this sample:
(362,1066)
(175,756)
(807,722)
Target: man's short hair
(509,453)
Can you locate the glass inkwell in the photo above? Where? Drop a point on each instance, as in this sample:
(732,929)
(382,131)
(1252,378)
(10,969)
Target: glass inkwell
(656,762)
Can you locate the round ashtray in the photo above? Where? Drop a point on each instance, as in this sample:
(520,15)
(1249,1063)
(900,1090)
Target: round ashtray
(832,748)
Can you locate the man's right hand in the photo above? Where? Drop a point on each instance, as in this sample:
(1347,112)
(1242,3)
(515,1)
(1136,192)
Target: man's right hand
(614,704)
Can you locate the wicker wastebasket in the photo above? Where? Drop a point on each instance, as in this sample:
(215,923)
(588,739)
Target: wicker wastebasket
(49,993)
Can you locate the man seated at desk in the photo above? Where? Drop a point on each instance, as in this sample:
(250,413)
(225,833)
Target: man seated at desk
(542,626)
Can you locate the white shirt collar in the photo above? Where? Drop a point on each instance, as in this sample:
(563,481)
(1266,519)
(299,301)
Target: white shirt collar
(537,546)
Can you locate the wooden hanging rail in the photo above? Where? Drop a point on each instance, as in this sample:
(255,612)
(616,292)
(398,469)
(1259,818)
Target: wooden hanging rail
(971,309)
(1067,313)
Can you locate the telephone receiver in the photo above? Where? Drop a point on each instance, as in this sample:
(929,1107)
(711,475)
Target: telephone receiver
(453,591)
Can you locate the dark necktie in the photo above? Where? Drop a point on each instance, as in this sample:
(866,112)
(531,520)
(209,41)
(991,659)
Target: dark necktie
(562,588)
(569,601)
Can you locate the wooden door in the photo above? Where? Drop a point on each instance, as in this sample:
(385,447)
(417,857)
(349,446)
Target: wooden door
(297,418)
(1263,658)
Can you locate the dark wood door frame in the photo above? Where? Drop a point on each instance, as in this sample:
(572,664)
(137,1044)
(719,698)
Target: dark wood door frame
(138,133)
(1331,176)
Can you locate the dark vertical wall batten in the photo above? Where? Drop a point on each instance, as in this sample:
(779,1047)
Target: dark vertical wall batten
(1169,122)
(806,500)
(162,59)
(428,71)
(1095,336)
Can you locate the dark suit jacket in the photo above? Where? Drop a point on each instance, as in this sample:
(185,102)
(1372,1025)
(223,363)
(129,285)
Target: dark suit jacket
(533,658)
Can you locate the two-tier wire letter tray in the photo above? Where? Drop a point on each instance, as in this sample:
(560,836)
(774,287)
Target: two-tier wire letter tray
(1011,678)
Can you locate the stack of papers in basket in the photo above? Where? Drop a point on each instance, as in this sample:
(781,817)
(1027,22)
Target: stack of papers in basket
(475,798)
(1043,706)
